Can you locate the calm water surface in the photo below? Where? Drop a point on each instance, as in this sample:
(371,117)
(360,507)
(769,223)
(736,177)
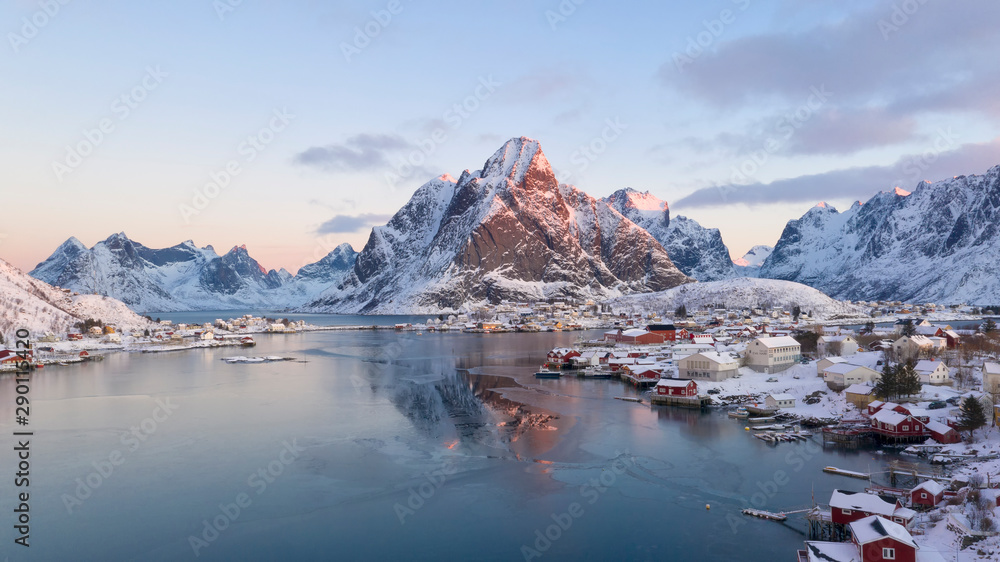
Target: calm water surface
(381,445)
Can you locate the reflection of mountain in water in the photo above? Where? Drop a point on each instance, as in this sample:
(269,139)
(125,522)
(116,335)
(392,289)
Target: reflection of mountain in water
(520,418)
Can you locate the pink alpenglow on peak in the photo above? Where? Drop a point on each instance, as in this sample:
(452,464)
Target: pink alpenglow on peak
(901,192)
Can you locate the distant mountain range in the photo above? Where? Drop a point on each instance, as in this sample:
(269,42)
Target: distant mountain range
(511,231)
(940,243)
(185,277)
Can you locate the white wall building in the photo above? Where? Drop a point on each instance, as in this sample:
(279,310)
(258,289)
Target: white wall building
(773,354)
(708,366)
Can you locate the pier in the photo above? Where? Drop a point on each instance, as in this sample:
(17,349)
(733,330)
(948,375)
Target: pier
(683,401)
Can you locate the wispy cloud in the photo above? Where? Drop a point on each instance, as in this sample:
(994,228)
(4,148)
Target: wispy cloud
(360,153)
(886,82)
(351,223)
(853,183)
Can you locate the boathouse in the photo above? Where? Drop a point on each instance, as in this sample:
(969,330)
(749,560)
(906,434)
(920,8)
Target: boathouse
(773,401)
(873,539)
(848,507)
(675,387)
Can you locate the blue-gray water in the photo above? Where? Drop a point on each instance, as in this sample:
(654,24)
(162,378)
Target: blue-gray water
(380,446)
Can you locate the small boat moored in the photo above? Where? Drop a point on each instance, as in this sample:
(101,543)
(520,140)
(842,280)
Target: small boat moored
(546,373)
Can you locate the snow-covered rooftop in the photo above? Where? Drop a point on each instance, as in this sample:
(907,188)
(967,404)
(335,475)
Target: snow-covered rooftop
(875,528)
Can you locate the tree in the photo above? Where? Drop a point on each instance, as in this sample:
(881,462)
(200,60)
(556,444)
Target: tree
(146,332)
(907,380)
(908,328)
(681,312)
(869,328)
(887,386)
(989,326)
(796,312)
(972,416)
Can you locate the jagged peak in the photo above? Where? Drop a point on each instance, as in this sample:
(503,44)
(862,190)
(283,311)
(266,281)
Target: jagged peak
(514,159)
(821,204)
(639,200)
(902,192)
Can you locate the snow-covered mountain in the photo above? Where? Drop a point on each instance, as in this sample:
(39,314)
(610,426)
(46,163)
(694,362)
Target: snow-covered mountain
(739,293)
(182,277)
(749,264)
(697,251)
(938,243)
(508,231)
(311,280)
(26,302)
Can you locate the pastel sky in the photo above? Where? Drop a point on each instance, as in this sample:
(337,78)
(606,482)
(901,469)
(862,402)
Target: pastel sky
(742,114)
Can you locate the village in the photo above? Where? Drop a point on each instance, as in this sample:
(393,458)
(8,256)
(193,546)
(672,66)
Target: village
(841,386)
(787,376)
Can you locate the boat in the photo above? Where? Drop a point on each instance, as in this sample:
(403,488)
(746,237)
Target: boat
(594,373)
(740,412)
(247,341)
(546,373)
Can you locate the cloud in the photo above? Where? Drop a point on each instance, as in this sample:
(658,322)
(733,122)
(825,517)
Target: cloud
(888,70)
(360,153)
(351,223)
(857,183)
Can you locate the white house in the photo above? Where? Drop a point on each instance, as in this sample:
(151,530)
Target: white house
(836,345)
(208,335)
(708,365)
(842,375)
(991,377)
(276,328)
(772,354)
(779,401)
(933,372)
(825,362)
(908,347)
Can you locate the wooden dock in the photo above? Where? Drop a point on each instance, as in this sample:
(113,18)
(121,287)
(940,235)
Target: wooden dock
(850,473)
(682,401)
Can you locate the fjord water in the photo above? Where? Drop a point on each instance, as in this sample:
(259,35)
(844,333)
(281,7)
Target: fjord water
(376,445)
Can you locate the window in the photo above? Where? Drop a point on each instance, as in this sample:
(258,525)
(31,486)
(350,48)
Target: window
(888,553)
(923,495)
(906,428)
(845,511)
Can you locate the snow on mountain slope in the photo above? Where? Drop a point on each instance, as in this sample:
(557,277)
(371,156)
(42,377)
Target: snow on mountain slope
(749,264)
(739,293)
(508,231)
(28,303)
(182,277)
(939,243)
(311,280)
(697,251)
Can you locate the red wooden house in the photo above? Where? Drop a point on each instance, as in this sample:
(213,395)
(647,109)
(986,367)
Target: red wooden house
(927,494)
(668,331)
(561,356)
(848,507)
(881,540)
(674,387)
